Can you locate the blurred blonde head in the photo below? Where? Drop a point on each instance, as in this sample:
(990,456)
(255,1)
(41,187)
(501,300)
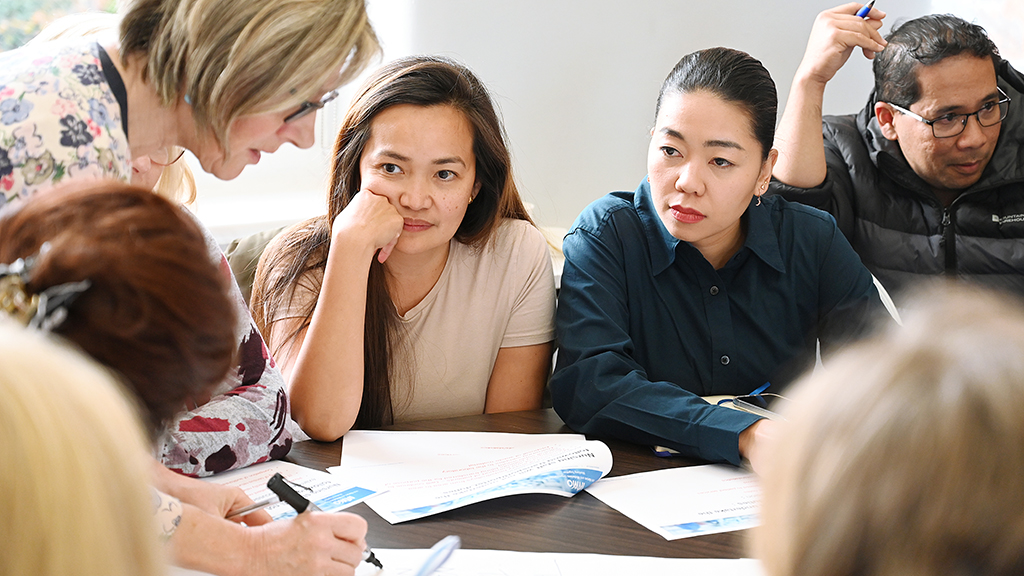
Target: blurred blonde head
(74,474)
(905,456)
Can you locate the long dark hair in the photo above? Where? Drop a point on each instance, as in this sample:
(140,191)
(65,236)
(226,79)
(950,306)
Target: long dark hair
(420,81)
(157,309)
(734,76)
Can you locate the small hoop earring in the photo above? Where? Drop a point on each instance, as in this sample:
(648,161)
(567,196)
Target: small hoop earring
(758,200)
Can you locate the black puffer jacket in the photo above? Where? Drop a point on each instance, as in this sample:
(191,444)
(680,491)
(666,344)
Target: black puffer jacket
(897,225)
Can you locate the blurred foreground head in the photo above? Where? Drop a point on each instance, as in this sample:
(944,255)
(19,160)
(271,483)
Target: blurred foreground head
(905,456)
(73,480)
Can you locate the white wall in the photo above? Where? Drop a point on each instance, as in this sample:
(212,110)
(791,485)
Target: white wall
(576,82)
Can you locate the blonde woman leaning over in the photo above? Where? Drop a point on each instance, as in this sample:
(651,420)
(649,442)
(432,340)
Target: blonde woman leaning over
(73,495)
(228,80)
(425,291)
(905,457)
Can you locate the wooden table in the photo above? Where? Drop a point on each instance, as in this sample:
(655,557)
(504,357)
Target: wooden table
(533,522)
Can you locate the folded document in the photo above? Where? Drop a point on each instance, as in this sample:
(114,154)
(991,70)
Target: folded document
(425,473)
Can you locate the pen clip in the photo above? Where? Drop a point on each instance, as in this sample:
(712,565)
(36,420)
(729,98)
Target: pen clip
(251,508)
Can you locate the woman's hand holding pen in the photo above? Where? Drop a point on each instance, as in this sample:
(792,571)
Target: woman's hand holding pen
(836,32)
(214,499)
(310,543)
(369,221)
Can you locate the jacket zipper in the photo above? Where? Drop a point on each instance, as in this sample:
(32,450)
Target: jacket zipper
(949,241)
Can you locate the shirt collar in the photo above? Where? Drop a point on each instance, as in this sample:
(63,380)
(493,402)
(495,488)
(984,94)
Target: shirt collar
(663,245)
(761,237)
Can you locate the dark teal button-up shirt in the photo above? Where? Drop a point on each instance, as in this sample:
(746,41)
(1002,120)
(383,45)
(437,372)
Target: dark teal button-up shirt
(646,325)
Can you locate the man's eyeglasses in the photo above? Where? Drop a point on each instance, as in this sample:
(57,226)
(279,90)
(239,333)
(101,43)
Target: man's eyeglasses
(950,125)
(307,106)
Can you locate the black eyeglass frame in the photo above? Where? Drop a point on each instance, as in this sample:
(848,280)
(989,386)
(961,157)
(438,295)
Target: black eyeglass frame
(308,107)
(1003,104)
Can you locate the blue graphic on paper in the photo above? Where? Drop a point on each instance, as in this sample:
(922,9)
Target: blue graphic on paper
(568,482)
(712,526)
(329,503)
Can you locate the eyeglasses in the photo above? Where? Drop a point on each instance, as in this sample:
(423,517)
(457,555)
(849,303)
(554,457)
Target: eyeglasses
(950,125)
(307,106)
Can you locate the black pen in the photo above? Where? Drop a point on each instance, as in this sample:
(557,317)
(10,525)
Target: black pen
(297,501)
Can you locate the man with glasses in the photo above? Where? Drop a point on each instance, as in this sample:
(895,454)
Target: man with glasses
(928,178)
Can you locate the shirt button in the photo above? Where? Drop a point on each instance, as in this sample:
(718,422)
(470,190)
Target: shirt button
(714,290)
(725,360)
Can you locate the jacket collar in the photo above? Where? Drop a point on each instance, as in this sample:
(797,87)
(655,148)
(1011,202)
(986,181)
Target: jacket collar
(761,239)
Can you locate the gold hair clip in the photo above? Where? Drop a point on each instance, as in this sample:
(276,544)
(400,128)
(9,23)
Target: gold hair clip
(45,310)
(14,300)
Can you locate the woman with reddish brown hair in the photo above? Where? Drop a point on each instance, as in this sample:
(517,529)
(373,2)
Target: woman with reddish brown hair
(141,295)
(126,276)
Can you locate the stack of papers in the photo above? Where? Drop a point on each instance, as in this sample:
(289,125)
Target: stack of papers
(425,473)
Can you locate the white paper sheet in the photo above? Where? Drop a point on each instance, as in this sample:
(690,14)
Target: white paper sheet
(505,563)
(683,502)
(425,473)
(326,491)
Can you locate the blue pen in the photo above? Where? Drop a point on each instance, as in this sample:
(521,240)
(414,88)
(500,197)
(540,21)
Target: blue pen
(439,553)
(288,494)
(863,12)
(757,391)
(760,389)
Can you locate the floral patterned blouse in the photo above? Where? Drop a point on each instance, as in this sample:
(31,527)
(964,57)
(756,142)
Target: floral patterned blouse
(63,115)
(59,118)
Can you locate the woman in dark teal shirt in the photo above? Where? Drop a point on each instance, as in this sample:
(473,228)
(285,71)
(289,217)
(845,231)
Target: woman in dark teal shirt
(695,285)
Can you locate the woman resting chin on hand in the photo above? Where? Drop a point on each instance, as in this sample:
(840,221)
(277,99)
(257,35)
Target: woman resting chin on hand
(425,291)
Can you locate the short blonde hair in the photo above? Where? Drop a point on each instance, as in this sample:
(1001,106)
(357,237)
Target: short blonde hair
(176,182)
(73,483)
(905,456)
(238,57)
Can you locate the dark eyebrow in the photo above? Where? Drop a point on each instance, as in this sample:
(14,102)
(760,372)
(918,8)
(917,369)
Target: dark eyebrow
(396,156)
(722,144)
(707,144)
(993,97)
(452,160)
(393,155)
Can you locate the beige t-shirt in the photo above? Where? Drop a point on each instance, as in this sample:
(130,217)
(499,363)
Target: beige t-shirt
(499,296)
